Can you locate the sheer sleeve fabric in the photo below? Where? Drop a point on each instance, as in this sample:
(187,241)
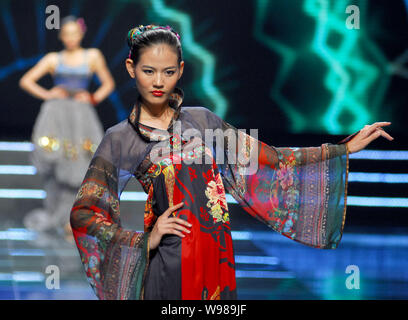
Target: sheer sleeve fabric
(115,259)
(300,193)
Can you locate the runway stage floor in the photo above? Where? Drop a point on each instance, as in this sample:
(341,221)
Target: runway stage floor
(268,267)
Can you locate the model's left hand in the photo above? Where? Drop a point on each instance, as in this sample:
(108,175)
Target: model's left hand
(367,135)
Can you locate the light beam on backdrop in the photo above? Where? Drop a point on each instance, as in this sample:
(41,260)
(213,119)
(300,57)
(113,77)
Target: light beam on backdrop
(356,77)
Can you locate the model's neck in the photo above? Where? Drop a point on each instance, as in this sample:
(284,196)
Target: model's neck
(149,111)
(73,51)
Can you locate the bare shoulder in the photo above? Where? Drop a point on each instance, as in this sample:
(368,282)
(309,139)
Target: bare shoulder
(95,58)
(49,61)
(95,53)
(51,58)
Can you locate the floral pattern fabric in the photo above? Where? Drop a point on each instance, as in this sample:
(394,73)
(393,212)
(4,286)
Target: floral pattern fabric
(298,192)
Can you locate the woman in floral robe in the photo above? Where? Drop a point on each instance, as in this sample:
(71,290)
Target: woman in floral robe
(298,192)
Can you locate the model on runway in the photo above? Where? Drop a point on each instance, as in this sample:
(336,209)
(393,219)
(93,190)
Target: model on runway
(186,249)
(67,130)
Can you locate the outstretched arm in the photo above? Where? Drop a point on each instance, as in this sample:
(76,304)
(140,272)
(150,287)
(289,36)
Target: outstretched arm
(299,192)
(368,134)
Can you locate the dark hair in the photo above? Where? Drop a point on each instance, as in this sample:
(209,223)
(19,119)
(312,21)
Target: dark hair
(145,36)
(79,21)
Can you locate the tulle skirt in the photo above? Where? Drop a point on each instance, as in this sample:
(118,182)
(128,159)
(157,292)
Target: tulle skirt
(65,136)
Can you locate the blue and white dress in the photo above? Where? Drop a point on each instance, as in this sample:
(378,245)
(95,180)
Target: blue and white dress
(65,136)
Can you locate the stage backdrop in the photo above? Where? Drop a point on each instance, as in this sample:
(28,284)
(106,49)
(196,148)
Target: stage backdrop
(293,63)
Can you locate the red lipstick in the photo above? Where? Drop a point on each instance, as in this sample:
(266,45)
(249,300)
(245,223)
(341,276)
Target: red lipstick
(157,93)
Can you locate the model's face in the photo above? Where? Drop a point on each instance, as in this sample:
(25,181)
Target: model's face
(71,35)
(157,69)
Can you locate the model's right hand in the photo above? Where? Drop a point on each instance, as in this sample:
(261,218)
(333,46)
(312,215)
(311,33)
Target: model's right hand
(168,225)
(57,93)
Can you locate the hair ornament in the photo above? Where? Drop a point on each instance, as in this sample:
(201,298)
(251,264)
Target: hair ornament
(137,32)
(82,24)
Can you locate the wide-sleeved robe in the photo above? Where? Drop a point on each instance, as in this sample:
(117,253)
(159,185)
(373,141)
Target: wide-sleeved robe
(298,192)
